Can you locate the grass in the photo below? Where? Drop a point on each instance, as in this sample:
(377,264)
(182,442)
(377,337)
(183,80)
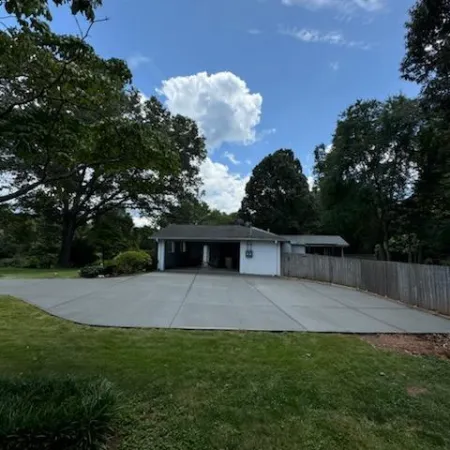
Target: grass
(13,272)
(230,390)
(56,413)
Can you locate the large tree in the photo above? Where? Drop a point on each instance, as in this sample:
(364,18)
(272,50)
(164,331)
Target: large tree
(372,168)
(427,62)
(277,197)
(112,233)
(157,157)
(52,89)
(32,12)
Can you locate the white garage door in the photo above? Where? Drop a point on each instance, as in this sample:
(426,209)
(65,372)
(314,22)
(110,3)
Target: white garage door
(260,258)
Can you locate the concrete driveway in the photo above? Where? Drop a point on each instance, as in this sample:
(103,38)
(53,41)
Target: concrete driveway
(194,301)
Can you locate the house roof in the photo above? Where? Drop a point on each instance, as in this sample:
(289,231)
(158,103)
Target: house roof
(316,241)
(215,233)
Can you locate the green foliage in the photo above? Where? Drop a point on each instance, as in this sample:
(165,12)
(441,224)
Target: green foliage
(189,209)
(91,271)
(36,10)
(110,268)
(56,413)
(96,147)
(277,196)
(132,262)
(112,233)
(370,170)
(427,62)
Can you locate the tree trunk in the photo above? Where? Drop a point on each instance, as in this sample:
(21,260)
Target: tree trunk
(68,233)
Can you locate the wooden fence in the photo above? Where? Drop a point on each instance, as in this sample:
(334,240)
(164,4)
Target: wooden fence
(415,284)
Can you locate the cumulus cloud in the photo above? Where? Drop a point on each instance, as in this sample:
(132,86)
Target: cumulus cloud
(220,103)
(223,190)
(309,35)
(310,182)
(137,60)
(346,6)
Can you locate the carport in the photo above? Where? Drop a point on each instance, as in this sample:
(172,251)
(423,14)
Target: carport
(243,249)
(195,254)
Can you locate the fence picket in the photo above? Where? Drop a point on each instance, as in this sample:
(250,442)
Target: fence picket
(415,284)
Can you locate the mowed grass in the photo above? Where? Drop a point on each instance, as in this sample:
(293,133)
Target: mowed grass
(230,390)
(13,272)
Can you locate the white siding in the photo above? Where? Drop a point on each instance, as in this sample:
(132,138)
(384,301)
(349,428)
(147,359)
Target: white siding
(266,258)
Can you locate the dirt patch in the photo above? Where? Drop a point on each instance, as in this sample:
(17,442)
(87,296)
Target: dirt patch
(414,391)
(426,344)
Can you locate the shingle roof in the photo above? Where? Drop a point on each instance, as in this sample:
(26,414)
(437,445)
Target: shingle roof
(315,240)
(215,233)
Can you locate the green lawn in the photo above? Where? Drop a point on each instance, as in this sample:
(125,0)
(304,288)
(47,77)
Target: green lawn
(225,390)
(12,272)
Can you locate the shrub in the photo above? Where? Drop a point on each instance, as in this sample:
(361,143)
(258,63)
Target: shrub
(54,414)
(6,262)
(110,268)
(132,261)
(91,271)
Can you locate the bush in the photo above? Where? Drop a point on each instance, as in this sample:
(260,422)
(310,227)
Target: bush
(91,271)
(56,414)
(132,262)
(110,268)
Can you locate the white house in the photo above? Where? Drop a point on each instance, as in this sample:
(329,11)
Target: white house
(247,250)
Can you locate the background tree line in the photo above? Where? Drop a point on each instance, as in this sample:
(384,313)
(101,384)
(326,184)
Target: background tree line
(384,183)
(80,148)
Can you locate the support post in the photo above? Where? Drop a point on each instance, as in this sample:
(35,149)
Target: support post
(161,255)
(205,260)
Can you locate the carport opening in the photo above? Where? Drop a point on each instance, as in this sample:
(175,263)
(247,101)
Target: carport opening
(208,255)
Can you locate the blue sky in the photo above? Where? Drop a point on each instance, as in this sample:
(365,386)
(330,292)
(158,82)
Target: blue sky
(257,75)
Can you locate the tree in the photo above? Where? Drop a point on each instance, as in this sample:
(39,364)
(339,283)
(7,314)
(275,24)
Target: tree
(427,59)
(53,87)
(372,168)
(112,233)
(277,196)
(31,12)
(192,210)
(156,160)
(427,62)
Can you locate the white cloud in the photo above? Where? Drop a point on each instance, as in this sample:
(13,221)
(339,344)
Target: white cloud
(247,161)
(231,158)
(137,60)
(334,66)
(316,36)
(220,103)
(347,6)
(328,148)
(254,31)
(140,222)
(264,133)
(223,190)
(310,182)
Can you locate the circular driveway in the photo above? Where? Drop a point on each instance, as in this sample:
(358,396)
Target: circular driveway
(234,302)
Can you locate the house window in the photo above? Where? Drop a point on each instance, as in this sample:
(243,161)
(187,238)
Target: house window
(171,246)
(183,247)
